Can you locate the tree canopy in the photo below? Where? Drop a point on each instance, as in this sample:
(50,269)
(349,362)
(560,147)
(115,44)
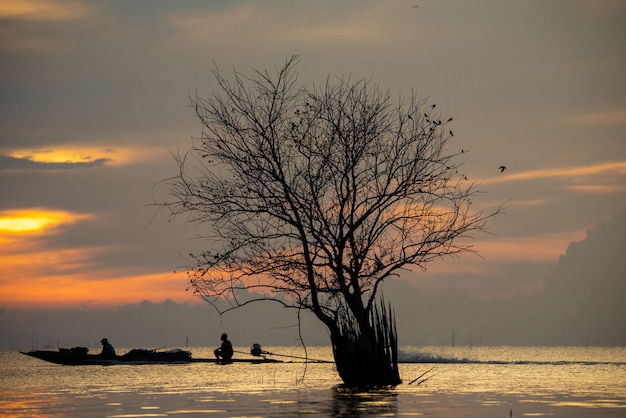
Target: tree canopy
(315,195)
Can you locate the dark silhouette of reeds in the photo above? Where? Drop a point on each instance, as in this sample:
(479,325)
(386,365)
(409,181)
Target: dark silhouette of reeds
(366,351)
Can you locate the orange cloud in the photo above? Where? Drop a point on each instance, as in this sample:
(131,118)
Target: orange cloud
(618,167)
(40,10)
(67,277)
(34,220)
(76,290)
(79,154)
(548,247)
(74,155)
(34,276)
(542,248)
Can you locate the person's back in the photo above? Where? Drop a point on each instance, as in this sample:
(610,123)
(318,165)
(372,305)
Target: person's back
(226,349)
(107,349)
(225,352)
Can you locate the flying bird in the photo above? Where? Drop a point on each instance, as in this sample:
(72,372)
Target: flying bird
(502,168)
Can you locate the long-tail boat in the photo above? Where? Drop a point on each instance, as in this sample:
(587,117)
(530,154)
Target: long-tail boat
(77,356)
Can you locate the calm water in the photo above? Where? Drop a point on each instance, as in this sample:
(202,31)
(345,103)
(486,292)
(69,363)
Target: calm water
(463,382)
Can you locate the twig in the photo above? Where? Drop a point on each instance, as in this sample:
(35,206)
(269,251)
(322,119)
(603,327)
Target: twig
(422,375)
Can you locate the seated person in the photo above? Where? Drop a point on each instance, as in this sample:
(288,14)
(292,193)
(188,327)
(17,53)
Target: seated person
(107,349)
(225,352)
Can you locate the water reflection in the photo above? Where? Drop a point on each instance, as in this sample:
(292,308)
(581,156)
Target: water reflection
(531,381)
(17,403)
(360,403)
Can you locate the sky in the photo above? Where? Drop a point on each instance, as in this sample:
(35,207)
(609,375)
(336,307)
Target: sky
(94,101)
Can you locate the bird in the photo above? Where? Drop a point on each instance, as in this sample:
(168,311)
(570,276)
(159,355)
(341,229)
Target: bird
(502,168)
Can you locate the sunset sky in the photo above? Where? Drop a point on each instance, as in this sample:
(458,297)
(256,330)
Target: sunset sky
(95,99)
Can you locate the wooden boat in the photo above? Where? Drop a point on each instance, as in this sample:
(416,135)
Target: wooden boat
(79,356)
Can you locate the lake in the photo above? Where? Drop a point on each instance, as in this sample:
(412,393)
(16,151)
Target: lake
(461,381)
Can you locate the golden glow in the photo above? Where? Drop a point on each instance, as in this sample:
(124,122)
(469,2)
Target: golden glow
(37,276)
(68,290)
(32,220)
(60,155)
(14,400)
(78,154)
(33,275)
(19,224)
(42,10)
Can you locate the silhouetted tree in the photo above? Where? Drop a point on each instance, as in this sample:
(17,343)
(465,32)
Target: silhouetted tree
(315,196)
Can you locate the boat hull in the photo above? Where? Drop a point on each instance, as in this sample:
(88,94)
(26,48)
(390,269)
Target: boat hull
(73,357)
(79,357)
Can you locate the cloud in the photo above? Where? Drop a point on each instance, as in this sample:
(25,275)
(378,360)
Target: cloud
(577,306)
(577,300)
(583,298)
(615,117)
(94,96)
(36,27)
(50,156)
(24,255)
(600,8)
(12,163)
(533,247)
(298,26)
(599,188)
(43,10)
(35,220)
(67,285)
(51,257)
(580,172)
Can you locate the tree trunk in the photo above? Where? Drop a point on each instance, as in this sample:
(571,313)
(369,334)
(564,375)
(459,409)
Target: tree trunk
(366,350)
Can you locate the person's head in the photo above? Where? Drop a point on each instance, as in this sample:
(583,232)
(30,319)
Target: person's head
(104,341)
(224,337)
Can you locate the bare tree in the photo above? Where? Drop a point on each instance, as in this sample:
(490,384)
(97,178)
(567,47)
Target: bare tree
(315,196)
